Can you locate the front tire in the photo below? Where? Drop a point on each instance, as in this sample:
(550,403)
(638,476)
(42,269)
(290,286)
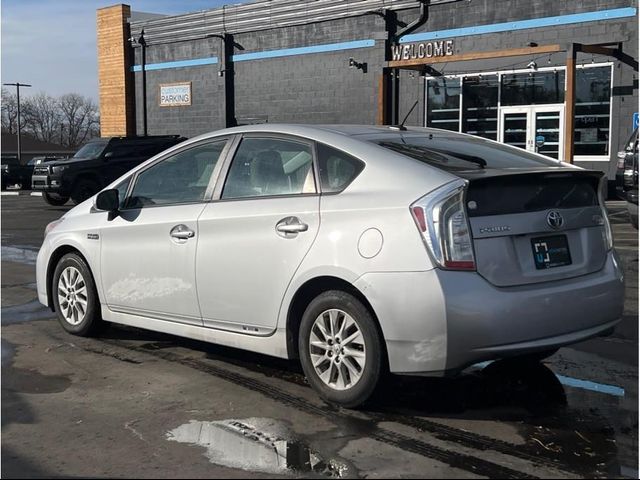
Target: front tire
(75,297)
(340,349)
(54,200)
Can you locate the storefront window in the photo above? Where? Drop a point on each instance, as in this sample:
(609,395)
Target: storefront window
(480,106)
(443,103)
(532,88)
(593,96)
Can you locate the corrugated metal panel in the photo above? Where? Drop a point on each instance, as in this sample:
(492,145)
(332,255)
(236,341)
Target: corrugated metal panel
(260,16)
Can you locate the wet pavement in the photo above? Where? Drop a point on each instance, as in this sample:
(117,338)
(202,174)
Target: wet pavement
(142,404)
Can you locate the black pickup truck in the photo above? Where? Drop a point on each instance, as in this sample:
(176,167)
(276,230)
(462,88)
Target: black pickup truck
(95,165)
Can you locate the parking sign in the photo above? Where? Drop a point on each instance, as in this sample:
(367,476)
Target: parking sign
(635,120)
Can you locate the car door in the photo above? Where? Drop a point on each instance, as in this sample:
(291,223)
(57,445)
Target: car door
(148,250)
(256,232)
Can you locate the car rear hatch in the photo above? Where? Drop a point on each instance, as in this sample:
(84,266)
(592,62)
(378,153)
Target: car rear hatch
(536,226)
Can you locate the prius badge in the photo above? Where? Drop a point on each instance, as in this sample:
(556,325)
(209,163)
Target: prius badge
(503,228)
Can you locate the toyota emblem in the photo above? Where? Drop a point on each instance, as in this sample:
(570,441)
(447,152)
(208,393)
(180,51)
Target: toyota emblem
(555,219)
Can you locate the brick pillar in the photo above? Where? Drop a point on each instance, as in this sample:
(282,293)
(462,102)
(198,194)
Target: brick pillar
(115,79)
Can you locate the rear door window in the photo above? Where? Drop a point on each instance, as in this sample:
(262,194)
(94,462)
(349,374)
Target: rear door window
(265,167)
(337,169)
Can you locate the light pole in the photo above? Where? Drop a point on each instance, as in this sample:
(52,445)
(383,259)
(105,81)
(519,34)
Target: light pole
(18,85)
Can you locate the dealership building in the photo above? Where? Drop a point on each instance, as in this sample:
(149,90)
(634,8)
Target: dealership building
(551,76)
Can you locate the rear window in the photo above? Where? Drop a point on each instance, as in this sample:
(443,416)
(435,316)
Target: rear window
(459,153)
(337,169)
(522,193)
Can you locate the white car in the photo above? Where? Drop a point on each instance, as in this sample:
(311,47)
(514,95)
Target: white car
(356,249)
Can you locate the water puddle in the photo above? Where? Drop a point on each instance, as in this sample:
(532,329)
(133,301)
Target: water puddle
(31,381)
(26,312)
(19,255)
(257,444)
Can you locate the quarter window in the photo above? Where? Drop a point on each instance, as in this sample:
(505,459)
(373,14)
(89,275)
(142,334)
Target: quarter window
(122,188)
(270,166)
(181,178)
(337,169)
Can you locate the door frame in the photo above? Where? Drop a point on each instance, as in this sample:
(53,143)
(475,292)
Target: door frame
(530,111)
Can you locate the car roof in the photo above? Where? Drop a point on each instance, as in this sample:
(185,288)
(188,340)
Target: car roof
(343,129)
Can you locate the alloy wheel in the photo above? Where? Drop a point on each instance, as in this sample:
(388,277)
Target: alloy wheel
(337,349)
(72,295)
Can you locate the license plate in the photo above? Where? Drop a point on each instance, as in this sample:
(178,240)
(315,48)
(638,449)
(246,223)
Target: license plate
(550,252)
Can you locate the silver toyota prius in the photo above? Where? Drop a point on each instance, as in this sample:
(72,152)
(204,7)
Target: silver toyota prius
(355,249)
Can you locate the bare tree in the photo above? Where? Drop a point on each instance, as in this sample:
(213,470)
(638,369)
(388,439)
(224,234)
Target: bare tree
(9,111)
(69,120)
(42,117)
(79,117)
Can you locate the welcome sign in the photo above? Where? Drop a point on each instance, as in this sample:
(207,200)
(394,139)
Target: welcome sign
(412,51)
(175,94)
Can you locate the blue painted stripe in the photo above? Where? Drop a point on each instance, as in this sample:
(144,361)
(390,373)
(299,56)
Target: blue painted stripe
(177,64)
(577,383)
(593,386)
(286,52)
(523,24)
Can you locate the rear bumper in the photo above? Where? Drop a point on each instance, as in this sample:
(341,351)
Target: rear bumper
(442,321)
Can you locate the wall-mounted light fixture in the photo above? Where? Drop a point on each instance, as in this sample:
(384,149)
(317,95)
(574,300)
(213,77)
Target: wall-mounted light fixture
(358,65)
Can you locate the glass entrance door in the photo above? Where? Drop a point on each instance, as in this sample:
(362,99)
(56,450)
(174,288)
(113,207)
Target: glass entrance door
(534,128)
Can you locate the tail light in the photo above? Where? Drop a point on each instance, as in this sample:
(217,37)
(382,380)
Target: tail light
(602,195)
(442,220)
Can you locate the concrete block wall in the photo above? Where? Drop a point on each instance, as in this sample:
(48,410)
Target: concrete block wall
(316,87)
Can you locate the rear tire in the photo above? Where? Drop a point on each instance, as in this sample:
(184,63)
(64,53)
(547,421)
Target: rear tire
(54,200)
(75,297)
(84,188)
(340,349)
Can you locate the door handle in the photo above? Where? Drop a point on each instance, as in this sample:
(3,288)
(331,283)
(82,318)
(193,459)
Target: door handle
(290,226)
(182,232)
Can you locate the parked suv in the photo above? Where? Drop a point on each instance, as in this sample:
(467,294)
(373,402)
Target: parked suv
(356,249)
(13,172)
(95,165)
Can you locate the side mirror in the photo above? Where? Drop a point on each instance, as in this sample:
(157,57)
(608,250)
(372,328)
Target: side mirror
(108,155)
(108,201)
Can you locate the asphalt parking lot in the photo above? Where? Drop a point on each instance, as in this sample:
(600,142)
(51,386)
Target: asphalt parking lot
(139,404)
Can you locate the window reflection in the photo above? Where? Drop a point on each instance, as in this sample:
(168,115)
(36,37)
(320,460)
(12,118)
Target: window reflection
(532,88)
(593,96)
(480,106)
(443,103)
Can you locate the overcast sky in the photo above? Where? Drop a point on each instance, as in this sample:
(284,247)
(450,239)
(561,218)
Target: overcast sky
(51,44)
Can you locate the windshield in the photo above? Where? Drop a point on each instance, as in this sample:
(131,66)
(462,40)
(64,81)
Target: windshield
(460,152)
(91,150)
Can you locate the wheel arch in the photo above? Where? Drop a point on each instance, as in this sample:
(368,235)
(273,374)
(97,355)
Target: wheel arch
(54,258)
(311,289)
